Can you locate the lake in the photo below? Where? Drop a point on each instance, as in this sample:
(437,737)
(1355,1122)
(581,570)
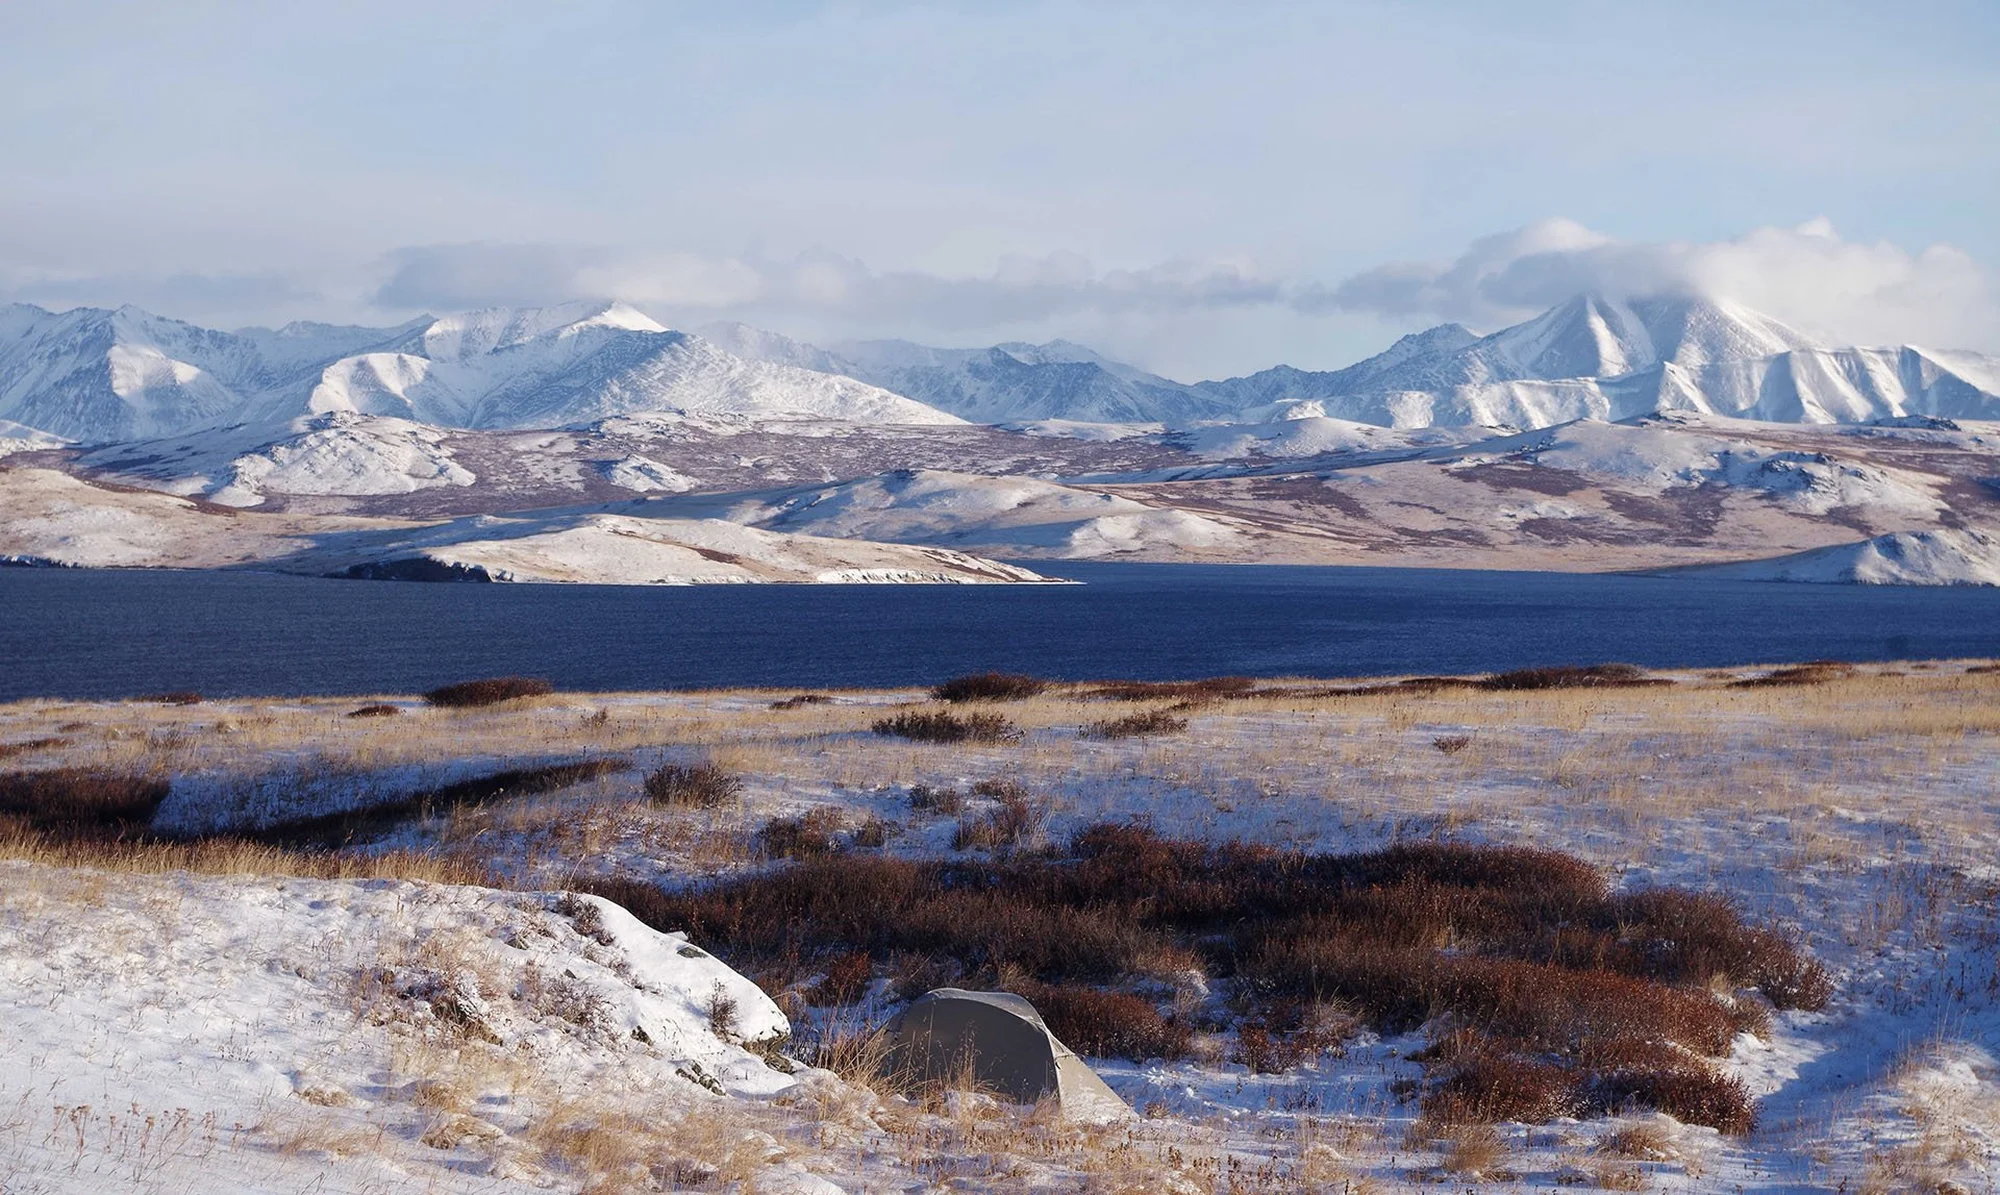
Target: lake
(78,633)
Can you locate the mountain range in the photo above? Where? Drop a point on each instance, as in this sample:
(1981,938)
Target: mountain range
(103,376)
(1603,433)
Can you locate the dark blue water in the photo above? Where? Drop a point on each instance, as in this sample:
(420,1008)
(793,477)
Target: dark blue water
(108,634)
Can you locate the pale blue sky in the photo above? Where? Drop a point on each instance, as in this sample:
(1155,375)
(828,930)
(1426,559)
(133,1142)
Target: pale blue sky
(1185,184)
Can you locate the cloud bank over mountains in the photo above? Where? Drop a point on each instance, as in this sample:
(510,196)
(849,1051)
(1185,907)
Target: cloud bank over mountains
(1809,276)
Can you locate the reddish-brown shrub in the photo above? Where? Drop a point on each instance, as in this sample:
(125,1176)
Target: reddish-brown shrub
(490,691)
(704,784)
(1109,1024)
(1549,981)
(1213,688)
(1017,820)
(350,826)
(1134,725)
(1593,676)
(990,686)
(941,727)
(80,804)
(1813,672)
(178,697)
(1693,1093)
(1491,1086)
(926,799)
(801,700)
(847,978)
(814,833)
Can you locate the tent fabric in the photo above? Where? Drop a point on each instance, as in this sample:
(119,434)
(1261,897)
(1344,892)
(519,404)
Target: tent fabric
(999,1041)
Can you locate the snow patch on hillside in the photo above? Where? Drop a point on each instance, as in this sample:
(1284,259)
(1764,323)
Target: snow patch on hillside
(1942,557)
(345,454)
(644,475)
(933,506)
(613,549)
(244,1033)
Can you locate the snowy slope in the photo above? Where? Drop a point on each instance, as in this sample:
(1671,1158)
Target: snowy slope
(639,549)
(1005,383)
(102,376)
(1595,357)
(1943,557)
(254,1033)
(53,517)
(932,506)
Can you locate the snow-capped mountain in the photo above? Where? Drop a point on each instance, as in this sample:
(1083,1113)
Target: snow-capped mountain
(101,376)
(1006,383)
(1594,357)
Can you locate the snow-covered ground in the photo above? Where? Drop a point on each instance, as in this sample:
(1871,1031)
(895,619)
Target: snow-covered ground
(1859,812)
(1945,557)
(56,518)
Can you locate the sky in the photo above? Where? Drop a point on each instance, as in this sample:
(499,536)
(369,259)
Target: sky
(1203,189)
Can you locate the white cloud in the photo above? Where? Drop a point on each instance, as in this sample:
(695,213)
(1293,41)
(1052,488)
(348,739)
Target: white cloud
(1809,275)
(1020,289)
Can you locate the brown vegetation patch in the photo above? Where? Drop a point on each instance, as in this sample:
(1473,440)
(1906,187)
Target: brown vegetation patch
(1591,676)
(704,784)
(1815,672)
(941,727)
(179,697)
(490,691)
(80,804)
(351,826)
(801,700)
(1524,959)
(377,710)
(990,686)
(1214,688)
(1135,725)
(10,750)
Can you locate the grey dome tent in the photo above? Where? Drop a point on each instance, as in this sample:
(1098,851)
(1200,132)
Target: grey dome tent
(1000,1040)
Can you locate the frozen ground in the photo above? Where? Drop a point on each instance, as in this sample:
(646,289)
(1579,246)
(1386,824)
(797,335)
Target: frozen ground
(1861,812)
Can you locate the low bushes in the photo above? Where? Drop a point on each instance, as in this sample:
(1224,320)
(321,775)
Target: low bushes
(1212,689)
(1593,676)
(1016,821)
(178,697)
(1109,1024)
(46,743)
(491,691)
(704,784)
(378,710)
(1524,957)
(926,799)
(800,701)
(351,826)
(1814,672)
(81,804)
(1134,725)
(811,835)
(942,727)
(990,686)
